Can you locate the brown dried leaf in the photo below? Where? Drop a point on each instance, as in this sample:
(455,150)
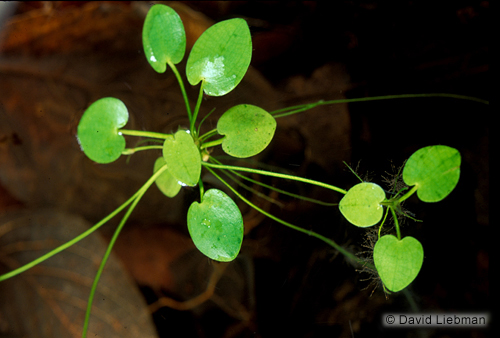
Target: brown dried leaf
(50,299)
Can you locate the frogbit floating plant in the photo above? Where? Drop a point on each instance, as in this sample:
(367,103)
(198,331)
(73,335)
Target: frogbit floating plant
(217,63)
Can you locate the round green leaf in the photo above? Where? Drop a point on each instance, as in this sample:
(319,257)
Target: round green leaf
(163,37)
(167,184)
(435,171)
(398,262)
(98,133)
(361,205)
(216,226)
(248,129)
(183,158)
(220,57)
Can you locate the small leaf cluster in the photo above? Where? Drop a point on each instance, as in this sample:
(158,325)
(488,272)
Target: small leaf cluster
(432,172)
(217,62)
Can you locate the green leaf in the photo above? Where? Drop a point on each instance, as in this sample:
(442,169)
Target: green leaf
(216,226)
(248,129)
(167,184)
(163,37)
(435,171)
(183,158)
(220,57)
(398,262)
(98,133)
(361,205)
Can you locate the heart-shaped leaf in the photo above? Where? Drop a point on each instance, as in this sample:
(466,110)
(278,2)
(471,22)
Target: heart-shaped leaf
(216,226)
(98,133)
(183,158)
(435,171)
(167,184)
(361,205)
(220,57)
(248,129)
(398,262)
(163,37)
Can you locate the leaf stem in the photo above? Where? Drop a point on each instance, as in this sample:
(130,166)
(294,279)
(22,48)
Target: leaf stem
(383,221)
(300,108)
(130,151)
(197,109)
(408,194)
(203,120)
(208,134)
(202,189)
(183,90)
(312,200)
(138,195)
(143,133)
(272,174)
(212,143)
(396,222)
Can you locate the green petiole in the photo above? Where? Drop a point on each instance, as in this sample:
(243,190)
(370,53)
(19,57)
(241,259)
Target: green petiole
(207,135)
(130,151)
(143,133)
(279,175)
(197,109)
(312,200)
(137,197)
(183,90)
(408,194)
(300,108)
(212,143)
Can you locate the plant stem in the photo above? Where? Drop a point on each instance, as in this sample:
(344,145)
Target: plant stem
(202,189)
(212,143)
(294,227)
(359,178)
(383,221)
(181,85)
(103,263)
(248,188)
(130,151)
(300,108)
(408,194)
(279,175)
(208,134)
(396,223)
(203,120)
(138,195)
(312,200)
(197,109)
(143,133)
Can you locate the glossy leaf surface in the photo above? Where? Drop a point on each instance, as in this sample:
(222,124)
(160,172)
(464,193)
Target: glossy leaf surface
(98,130)
(163,37)
(216,226)
(220,57)
(248,130)
(435,170)
(361,205)
(398,262)
(183,158)
(167,184)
